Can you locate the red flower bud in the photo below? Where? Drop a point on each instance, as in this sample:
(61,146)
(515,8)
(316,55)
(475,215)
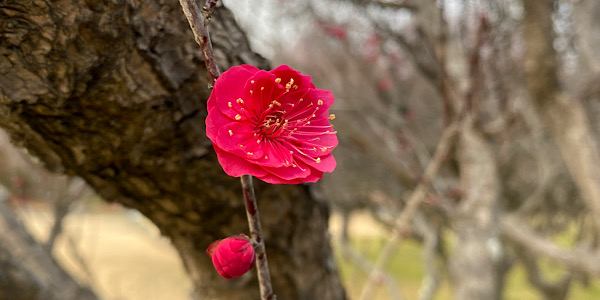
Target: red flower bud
(232,256)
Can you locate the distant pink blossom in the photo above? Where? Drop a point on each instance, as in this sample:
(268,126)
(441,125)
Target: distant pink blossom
(232,256)
(384,84)
(336,31)
(273,125)
(371,46)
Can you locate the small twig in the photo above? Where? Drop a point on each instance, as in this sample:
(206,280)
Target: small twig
(403,222)
(197,22)
(208,9)
(262,265)
(73,192)
(448,111)
(359,260)
(431,241)
(475,74)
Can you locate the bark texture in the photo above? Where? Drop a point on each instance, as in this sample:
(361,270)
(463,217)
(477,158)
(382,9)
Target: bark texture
(477,248)
(115,92)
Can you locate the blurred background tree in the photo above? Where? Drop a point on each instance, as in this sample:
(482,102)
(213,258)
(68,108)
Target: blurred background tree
(519,188)
(114,93)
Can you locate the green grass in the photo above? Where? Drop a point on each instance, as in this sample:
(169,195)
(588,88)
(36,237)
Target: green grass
(406,266)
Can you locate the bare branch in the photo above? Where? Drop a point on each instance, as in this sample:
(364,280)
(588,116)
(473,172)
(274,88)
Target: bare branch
(574,259)
(431,241)
(396,4)
(208,9)
(262,265)
(197,22)
(403,223)
(363,263)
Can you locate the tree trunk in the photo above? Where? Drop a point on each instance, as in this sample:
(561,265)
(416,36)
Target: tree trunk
(563,115)
(476,250)
(115,92)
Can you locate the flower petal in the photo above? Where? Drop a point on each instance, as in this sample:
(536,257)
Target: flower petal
(214,121)
(273,125)
(261,90)
(291,172)
(325,163)
(250,68)
(228,88)
(274,154)
(317,138)
(236,166)
(238,138)
(286,73)
(314,176)
(303,105)
(270,178)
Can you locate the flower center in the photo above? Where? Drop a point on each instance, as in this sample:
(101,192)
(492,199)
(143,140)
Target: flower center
(273,125)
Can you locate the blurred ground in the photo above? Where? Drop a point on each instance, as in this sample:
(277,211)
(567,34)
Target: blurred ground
(127,259)
(124,252)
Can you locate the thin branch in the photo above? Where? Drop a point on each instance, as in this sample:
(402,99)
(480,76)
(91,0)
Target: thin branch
(262,265)
(475,73)
(359,260)
(74,191)
(396,4)
(431,243)
(197,22)
(207,10)
(403,223)
(574,259)
(448,109)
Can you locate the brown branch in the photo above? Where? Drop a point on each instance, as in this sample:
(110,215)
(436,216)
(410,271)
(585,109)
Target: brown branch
(403,223)
(448,110)
(197,22)
(262,265)
(473,101)
(208,9)
(574,259)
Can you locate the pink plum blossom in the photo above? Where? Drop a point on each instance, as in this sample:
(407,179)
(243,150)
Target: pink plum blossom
(273,125)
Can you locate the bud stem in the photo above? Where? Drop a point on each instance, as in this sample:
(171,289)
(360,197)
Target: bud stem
(199,20)
(262,265)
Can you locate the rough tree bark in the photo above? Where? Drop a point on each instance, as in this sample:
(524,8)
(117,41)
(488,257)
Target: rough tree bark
(114,91)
